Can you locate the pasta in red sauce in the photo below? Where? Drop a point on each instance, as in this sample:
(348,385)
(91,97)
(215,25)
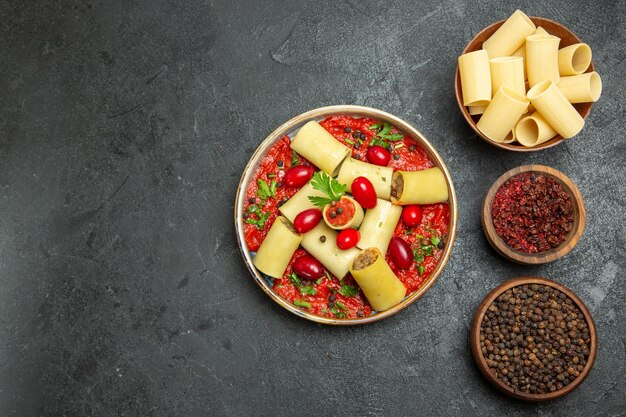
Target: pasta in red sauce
(329,296)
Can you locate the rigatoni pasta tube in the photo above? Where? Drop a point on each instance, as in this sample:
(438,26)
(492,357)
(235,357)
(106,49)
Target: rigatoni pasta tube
(378,225)
(277,248)
(510,137)
(379,176)
(336,260)
(542,58)
(510,36)
(475,78)
(574,59)
(381,286)
(476,110)
(521,51)
(554,107)
(320,147)
(351,214)
(533,130)
(508,71)
(583,88)
(502,113)
(300,202)
(427,186)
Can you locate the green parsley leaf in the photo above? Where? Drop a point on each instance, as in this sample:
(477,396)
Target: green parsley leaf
(302,303)
(349,290)
(294,159)
(427,250)
(308,290)
(434,240)
(271,175)
(420,237)
(374,126)
(319,281)
(252,208)
(295,279)
(266,191)
(340,305)
(408,231)
(349,142)
(418,257)
(420,269)
(394,137)
(386,129)
(262,219)
(329,186)
(251,221)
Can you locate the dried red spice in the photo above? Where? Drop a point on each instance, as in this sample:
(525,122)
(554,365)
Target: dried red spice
(532,213)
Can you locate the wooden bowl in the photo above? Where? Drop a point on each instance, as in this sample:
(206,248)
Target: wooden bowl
(572,238)
(290,128)
(482,363)
(553,28)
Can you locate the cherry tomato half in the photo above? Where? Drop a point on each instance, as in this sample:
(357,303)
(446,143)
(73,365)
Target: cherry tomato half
(298,176)
(307,220)
(348,238)
(401,253)
(363,192)
(308,267)
(378,155)
(412,215)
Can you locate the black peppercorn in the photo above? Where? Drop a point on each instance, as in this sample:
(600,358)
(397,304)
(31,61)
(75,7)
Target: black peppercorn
(533,332)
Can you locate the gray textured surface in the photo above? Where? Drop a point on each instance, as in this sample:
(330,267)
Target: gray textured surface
(121,288)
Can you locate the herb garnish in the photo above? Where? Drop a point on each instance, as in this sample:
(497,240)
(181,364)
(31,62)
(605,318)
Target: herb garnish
(339,310)
(297,282)
(266,191)
(424,250)
(329,186)
(348,290)
(294,158)
(260,222)
(302,303)
(384,135)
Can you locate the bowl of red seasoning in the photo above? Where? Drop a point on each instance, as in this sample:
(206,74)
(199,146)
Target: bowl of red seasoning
(533,214)
(533,339)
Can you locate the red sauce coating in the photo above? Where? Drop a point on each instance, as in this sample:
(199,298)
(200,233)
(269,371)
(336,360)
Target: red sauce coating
(347,212)
(329,296)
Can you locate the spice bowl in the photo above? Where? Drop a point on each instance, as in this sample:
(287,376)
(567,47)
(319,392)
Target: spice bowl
(569,239)
(554,28)
(570,373)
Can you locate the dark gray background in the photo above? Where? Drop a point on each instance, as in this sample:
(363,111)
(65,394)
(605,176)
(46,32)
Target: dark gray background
(124,129)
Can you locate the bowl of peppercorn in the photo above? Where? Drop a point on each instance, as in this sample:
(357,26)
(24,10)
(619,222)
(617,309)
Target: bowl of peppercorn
(533,339)
(533,214)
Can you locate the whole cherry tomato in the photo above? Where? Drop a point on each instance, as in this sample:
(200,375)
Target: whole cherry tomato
(298,176)
(363,192)
(308,267)
(378,155)
(412,215)
(307,220)
(401,253)
(348,238)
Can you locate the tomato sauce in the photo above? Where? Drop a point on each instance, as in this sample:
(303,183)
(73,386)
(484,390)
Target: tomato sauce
(330,296)
(343,218)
